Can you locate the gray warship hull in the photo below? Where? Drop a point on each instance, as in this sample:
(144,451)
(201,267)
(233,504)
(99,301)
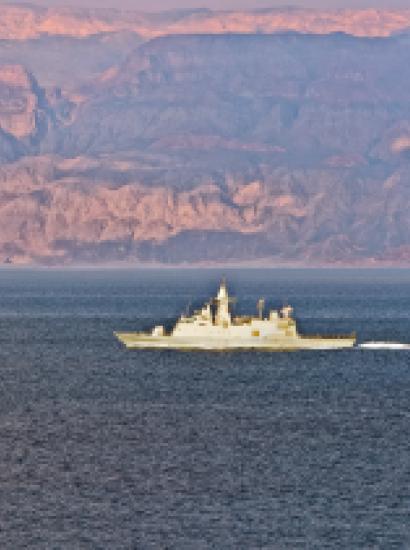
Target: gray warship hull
(146,341)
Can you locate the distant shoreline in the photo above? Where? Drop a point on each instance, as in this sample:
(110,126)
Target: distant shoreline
(211,266)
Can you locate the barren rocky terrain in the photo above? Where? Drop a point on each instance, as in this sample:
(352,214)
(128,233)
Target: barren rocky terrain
(276,136)
(22,22)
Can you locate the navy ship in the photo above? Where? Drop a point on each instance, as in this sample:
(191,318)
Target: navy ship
(214,328)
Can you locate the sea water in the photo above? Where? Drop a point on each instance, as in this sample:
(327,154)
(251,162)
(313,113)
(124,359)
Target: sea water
(101,447)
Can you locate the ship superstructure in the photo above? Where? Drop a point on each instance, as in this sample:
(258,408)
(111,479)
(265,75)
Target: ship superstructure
(214,328)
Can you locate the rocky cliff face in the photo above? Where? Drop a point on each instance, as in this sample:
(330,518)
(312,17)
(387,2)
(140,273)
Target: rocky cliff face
(24,112)
(51,213)
(19,102)
(25,22)
(281,148)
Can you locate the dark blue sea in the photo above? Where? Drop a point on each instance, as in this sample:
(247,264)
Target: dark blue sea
(106,448)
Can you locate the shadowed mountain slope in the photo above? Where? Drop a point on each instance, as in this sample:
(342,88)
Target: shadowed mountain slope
(306,95)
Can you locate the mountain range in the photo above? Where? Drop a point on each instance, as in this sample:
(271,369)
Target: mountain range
(270,136)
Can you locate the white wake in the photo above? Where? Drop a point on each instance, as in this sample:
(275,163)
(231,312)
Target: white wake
(384,345)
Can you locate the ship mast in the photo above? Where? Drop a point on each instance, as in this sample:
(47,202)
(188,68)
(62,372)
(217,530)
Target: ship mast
(223,315)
